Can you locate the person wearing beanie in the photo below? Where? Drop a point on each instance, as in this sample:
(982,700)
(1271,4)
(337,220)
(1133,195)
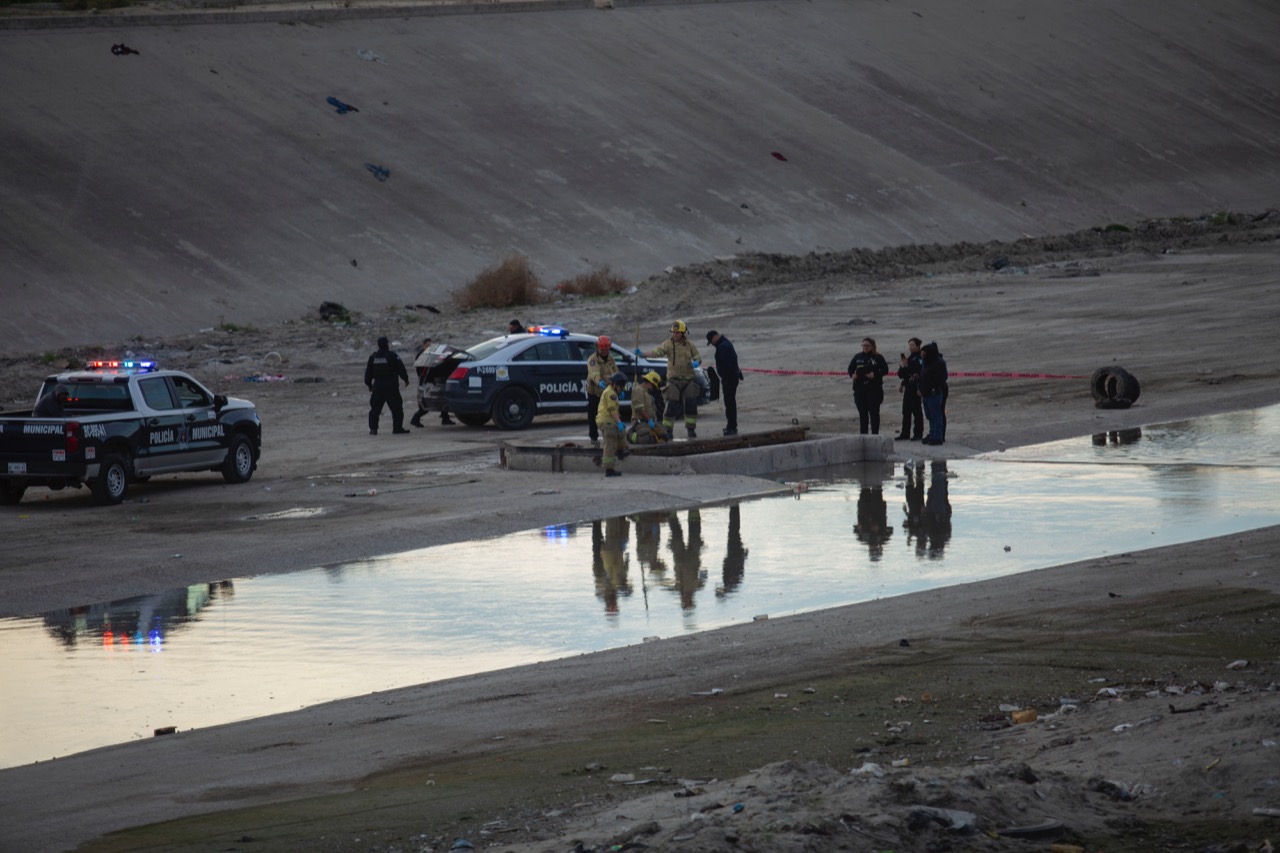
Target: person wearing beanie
(380,375)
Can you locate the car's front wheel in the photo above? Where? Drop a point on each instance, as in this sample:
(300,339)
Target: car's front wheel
(513,409)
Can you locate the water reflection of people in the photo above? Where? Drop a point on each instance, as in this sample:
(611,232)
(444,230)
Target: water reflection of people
(735,555)
(687,557)
(609,560)
(928,517)
(872,527)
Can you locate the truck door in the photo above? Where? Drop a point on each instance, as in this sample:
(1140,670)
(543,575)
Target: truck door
(163,437)
(206,442)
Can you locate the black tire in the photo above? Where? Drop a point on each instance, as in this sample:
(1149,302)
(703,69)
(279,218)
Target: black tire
(513,409)
(473,420)
(1113,384)
(112,482)
(1112,404)
(1131,387)
(238,466)
(11,492)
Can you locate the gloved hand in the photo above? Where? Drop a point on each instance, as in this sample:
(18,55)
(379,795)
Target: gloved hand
(638,353)
(652,423)
(603,384)
(697,363)
(622,427)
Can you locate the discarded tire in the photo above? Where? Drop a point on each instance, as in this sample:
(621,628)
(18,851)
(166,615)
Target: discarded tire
(1113,388)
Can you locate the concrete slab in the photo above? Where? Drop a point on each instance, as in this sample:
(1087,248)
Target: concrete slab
(814,452)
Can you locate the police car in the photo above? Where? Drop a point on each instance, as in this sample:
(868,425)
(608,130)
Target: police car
(513,378)
(122,422)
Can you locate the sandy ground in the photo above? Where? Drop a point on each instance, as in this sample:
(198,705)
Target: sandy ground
(522,759)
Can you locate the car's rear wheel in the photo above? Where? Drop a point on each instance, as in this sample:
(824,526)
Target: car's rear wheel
(238,467)
(513,409)
(474,420)
(112,482)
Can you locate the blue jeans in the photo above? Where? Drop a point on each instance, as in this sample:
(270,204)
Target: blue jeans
(933,413)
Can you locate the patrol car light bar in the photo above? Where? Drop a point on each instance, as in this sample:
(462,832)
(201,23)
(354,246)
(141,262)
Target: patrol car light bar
(130,365)
(549,331)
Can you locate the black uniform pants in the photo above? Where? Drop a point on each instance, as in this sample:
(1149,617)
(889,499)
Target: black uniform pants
(729,390)
(912,413)
(385,393)
(867,398)
(593,406)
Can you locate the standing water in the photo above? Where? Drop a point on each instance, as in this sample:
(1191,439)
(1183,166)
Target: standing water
(235,649)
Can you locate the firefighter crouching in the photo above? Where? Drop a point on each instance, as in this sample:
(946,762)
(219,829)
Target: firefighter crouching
(600,366)
(609,422)
(645,428)
(682,389)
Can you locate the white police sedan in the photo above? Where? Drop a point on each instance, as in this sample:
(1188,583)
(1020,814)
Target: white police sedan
(513,378)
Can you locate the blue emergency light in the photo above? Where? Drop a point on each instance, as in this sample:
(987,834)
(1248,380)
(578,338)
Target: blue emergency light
(550,331)
(126,366)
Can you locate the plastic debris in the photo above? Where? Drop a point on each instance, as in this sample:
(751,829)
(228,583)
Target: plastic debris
(714,691)
(339,106)
(379,172)
(1026,716)
(1237,664)
(368,56)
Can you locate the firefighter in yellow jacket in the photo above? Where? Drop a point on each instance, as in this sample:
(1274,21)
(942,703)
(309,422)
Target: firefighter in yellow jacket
(682,389)
(645,428)
(600,366)
(609,422)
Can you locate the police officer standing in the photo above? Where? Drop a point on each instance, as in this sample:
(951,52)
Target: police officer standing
(682,390)
(380,376)
(600,367)
(867,369)
(909,365)
(609,421)
(730,375)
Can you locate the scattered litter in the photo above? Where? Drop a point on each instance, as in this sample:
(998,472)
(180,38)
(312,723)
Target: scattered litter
(462,844)
(1213,764)
(656,720)
(904,644)
(175,556)
(714,691)
(272,358)
(1264,812)
(652,639)
(264,377)
(545,492)
(737,807)
(777,156)
(811,690)
(760,617)
(901,762)
(341,108)
(1008,548)
(869,768)
(623,777)
(379,172)
(1027,716)
(780,696)
(123,49)
(1000,263)
(1237,664)
(953,819)
(165,730)
(368,56)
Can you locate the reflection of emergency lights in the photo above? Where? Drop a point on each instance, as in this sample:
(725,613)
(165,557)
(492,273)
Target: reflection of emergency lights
(153,640)
(557,532)
(129,366)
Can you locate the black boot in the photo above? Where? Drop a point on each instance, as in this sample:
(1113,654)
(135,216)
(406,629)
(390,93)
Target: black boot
(445,420)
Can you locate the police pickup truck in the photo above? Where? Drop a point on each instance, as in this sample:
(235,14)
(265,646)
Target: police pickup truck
(122,422)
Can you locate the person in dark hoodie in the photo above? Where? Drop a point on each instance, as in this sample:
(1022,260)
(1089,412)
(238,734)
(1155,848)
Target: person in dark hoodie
(933,393)
(730,375)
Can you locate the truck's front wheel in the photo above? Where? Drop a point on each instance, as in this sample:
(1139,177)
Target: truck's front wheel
(112,482)
(11,492)
(238,467)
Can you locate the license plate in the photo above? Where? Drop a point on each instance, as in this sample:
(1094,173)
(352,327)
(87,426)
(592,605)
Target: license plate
(17,467)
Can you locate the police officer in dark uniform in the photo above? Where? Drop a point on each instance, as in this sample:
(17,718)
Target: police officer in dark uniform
(380,376)
(867,370)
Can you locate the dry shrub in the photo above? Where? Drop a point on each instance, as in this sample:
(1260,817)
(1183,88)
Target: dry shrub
(511,282)
(601,282)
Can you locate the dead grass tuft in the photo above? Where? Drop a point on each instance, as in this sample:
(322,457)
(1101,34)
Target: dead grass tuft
(601,282)
(511,282)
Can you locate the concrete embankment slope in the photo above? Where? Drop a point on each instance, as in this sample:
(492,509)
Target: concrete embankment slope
(206,179)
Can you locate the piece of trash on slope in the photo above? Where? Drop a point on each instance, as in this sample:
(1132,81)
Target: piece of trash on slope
(379,172)
(341,108)
(714,691)
(368,56)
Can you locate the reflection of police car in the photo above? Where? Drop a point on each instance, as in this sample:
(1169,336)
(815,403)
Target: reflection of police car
(515,377)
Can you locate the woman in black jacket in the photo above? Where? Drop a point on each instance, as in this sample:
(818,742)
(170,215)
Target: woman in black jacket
(867,369)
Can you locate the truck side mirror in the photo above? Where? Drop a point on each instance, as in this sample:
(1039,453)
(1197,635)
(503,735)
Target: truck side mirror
(219,400)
